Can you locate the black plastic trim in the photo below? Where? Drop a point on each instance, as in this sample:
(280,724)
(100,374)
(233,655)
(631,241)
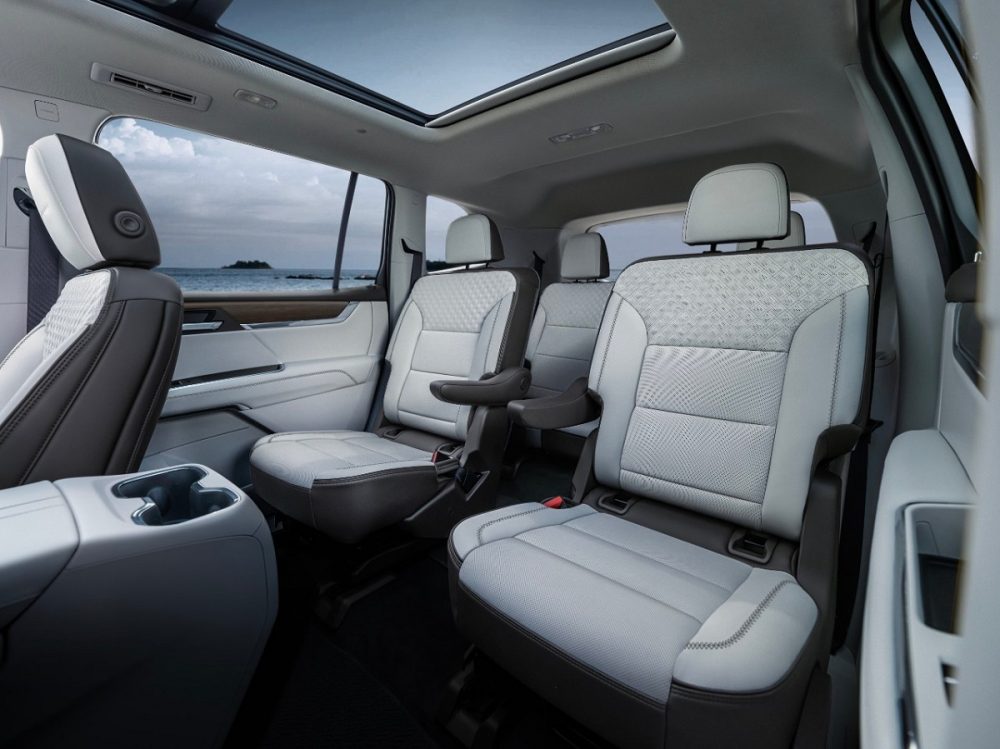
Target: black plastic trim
(227,375)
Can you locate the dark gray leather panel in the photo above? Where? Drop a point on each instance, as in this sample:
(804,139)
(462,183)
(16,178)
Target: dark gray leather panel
(94,410)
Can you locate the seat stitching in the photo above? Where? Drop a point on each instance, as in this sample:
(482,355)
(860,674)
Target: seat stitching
(607,345)
(728,591)
(836,361)
(692,486)
(700,416)
(740,633)
(609,579)
(479,531)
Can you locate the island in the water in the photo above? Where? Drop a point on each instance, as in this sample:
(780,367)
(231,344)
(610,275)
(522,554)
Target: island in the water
(248,265)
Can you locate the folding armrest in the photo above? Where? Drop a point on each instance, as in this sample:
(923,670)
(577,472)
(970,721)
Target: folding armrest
(492,390)
(575,405)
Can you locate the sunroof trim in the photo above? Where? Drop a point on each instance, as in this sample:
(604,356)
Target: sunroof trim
(617,52)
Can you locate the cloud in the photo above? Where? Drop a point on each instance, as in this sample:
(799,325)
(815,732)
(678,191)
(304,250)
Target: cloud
(214,201)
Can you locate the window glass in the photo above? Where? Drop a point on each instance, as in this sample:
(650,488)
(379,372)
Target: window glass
(454,51)
(233,217)
(662,234)
(365,229)
(947,75)
(440,214)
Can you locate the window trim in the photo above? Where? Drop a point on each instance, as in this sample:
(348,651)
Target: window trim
(885,55)
(934,83)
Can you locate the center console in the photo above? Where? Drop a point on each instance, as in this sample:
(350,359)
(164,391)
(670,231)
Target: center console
(133,608)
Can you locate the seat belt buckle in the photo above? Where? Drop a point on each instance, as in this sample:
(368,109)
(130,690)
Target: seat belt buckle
(555,503)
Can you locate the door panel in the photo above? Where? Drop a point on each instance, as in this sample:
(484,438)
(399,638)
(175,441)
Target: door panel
(909,658)
(255,369)
(233,385)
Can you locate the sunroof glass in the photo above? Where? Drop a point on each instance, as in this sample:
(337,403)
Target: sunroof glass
(434,55)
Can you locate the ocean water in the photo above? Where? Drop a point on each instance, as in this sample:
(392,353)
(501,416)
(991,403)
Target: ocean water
(272,279)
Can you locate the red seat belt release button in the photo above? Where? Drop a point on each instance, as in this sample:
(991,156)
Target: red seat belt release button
(555,503)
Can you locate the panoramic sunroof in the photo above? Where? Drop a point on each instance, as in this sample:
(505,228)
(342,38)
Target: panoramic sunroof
(435,55)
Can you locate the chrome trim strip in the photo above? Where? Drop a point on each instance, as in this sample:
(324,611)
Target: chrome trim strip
(196,327)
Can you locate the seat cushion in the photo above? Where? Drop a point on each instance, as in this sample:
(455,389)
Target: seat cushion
(347,484)
(638,612)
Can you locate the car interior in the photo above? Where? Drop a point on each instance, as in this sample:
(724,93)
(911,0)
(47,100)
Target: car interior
(479,374)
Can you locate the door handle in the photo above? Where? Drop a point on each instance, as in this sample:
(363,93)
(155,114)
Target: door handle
(201,327)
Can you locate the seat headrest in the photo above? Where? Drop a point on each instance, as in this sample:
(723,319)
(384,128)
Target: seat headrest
(796,236)
(584,257)
(472,239)
(89,205)
(747,202)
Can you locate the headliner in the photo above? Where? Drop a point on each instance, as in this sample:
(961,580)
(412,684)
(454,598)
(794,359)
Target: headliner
(742,81)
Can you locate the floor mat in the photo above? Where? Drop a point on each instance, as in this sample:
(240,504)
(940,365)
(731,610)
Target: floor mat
(331,700)
(405,635)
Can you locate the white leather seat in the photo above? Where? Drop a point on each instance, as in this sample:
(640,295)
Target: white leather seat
(564,331)
(684,598)
(81,392)
(460,325)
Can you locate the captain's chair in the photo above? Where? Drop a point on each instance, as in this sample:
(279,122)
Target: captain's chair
(80,394)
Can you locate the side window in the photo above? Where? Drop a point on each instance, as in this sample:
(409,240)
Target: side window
(632,239)
(941,41)
(232,217)
(440,214)
(662,234)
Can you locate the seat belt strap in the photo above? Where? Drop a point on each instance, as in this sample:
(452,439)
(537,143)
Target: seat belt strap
(416,263)
(856,489)
(43,261)
(539,263)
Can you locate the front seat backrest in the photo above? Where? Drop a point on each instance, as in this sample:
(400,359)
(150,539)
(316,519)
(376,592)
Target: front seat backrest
(455,326)
(81,392)
(719,372)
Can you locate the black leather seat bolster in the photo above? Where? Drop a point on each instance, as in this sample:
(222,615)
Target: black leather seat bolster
(97,405)
(349,509)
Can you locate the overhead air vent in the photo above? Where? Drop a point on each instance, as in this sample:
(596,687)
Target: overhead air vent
(146,86)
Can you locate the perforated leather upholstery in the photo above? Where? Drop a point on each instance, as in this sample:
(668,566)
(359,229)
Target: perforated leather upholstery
(717,374)
(454,326)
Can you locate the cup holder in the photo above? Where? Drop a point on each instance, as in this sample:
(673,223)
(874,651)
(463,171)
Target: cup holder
(174,496)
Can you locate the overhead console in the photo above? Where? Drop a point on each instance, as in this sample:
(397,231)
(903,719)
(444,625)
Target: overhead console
(134,606)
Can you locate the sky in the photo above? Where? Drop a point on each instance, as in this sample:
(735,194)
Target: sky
(451,50)
(215,201)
